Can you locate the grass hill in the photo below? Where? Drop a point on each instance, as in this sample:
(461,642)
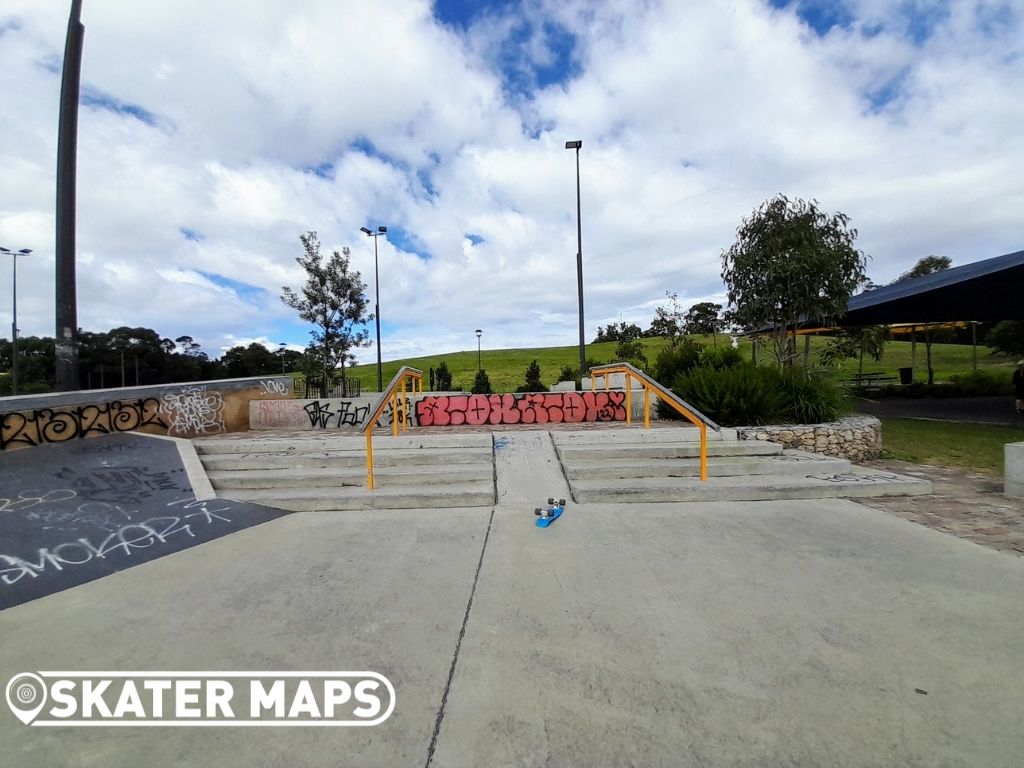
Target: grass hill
(506,368)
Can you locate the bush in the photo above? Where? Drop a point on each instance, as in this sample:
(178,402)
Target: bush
(982,384)
(810,398)
(719,357)
(673,362)
(568,373)
(443,378)
(533,382)
(631,352)
(741,394)
(482,384)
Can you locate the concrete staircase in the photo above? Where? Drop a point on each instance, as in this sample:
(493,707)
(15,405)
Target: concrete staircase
(664,465)
(329,473)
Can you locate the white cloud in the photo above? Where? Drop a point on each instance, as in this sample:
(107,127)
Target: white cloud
(690,116)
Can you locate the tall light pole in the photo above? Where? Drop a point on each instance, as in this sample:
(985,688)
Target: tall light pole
(66,339)
(376,307)
(479,333)
(280,352)
(579,251)
(14,316)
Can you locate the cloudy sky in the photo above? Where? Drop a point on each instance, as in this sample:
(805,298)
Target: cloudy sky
(212,134)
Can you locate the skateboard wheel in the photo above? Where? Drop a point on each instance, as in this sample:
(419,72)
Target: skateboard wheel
(537,511)
(561,502)
(551,500)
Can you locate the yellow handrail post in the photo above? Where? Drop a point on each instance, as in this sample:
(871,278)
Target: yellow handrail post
(629,399)
(394,414)
(369,459)
(403,424)
(647,407)
(703,451)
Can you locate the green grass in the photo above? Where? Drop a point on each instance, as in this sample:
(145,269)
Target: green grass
(506,368)
(949,444)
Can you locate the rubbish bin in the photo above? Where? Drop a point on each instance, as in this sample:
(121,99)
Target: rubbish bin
(906,375)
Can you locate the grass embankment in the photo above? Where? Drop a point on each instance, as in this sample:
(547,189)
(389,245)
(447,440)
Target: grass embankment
(948,443)
(506,368)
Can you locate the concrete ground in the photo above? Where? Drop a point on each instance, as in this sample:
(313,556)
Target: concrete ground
(786,633)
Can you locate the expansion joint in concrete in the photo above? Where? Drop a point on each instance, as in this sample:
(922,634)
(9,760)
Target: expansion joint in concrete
(458,647)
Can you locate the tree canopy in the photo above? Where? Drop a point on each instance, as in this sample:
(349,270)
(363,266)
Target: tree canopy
(333,301)
(790,261)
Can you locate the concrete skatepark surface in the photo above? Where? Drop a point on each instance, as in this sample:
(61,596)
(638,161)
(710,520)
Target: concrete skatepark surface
(795,633)
(76,511)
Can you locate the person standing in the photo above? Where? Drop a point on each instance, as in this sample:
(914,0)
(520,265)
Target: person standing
(1018,386)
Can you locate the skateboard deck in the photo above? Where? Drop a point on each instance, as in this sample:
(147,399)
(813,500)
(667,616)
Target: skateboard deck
(546,517)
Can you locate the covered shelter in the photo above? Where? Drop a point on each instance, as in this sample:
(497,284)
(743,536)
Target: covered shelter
(987,290)
(983,291)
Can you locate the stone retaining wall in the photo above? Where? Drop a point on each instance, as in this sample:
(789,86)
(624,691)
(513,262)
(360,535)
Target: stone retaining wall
(855,438)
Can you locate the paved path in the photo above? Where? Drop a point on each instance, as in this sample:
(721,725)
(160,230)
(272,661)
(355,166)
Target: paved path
(983,410)
(798,633)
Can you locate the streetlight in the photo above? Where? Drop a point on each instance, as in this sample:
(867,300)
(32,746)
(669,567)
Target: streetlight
(376,307)
(280,351)
(479,333)
(14,317)
(579,249)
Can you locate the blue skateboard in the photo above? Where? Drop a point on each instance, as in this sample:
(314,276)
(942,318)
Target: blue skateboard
(546,517)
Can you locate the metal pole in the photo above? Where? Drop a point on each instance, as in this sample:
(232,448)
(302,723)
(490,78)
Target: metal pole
(66,348)
(479,365)
(376,313)
(14,331)
(579,261)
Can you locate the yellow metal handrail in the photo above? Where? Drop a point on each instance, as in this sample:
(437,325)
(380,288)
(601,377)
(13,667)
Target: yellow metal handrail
(665,395)
(415,377)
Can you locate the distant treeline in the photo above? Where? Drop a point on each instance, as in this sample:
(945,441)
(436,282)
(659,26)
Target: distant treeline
(137,356)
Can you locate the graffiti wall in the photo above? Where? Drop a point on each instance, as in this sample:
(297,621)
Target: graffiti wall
(443,410)
(331,413)
(530,408)
(187,410)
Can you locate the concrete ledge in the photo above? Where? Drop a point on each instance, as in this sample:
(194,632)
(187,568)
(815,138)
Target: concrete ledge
(1013,464)
(856,438)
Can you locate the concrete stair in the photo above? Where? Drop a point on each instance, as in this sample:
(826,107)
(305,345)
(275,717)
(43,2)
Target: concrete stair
(664,465)
(314,472)
(329,473)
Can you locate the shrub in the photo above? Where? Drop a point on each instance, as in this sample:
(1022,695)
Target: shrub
(631,352)
(533,382)
(810,398)
(672,362)
(482,384)
(719,357)
(741,394)
(443,378)
(982,384)
(568,373)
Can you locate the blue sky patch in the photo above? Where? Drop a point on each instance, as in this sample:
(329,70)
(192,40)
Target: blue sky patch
(97,99)
(324,170)
(819,15)
(474,239)
(404,241)
(191,234)
(889,92)
(248,293)
(462,13)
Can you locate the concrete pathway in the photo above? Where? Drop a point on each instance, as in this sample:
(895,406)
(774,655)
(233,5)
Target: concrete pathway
(799,633)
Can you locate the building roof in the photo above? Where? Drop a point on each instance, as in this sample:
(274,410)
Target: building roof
(991,289)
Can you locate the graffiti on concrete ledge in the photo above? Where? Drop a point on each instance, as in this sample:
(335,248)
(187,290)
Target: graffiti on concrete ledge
(193,411)
(49,425)
(532,408)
